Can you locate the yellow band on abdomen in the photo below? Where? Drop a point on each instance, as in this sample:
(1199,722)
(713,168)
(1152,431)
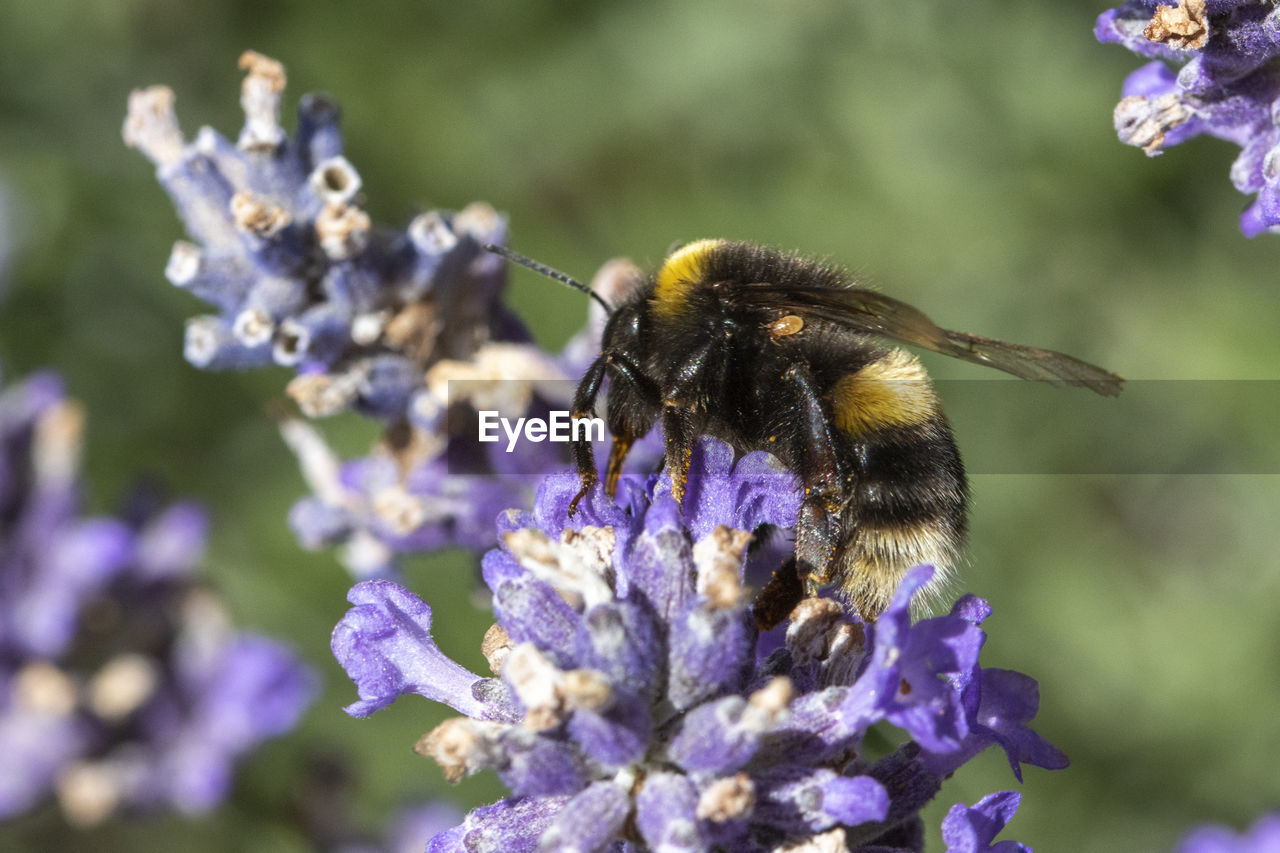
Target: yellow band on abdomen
(890,392)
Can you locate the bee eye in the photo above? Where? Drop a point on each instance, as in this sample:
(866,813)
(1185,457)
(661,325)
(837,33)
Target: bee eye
(786,325)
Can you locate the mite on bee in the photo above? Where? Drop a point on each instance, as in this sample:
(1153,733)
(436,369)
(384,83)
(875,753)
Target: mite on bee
(771,351)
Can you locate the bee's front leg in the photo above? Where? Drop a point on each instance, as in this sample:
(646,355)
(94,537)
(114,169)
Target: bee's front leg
(679,433)
(683,418)
(622,441)
(584,404)
(633,402)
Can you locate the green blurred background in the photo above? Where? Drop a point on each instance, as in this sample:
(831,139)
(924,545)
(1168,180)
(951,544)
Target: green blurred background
(960,155)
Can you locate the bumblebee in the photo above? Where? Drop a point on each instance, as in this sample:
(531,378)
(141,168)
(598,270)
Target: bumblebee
(771,351)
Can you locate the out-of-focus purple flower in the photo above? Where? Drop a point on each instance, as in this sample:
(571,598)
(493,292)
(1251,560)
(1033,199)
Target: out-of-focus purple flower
(411,831)
(1262,837)
(629,703)
(414,828)
(1225,85)
(405,325)
(973,830)
(376,510)
(122,685)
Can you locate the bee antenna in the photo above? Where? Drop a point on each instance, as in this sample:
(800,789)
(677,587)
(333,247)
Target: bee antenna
(517,258)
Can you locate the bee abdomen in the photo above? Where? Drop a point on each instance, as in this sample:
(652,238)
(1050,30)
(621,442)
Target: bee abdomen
(906,504)
(872,560)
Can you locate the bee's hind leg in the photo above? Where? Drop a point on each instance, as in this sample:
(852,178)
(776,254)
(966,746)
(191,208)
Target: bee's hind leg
(821,477)
(817,524)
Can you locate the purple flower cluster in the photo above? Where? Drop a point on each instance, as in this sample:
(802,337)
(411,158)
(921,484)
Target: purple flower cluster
(1226,85)
(122,685)
(379,320)
(298,273)
(633,707)
(1262,837)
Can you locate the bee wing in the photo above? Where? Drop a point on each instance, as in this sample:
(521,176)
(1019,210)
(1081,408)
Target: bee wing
(876,314)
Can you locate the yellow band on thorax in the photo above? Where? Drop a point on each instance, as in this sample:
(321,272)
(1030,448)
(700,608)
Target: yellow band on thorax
(679,273)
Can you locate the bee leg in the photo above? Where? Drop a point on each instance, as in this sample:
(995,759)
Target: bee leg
(680,434)
(584,403)
(778,597)
(622,441)
(815,548)
(626,369)
(817,531)
(681,424)
(817,534)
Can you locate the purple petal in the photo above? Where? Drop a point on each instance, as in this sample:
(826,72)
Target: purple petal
(1151,80)
(801,800)
(660,567)
(531,611)
(385,645)
(971,609)
(917,671)
(972,830)
(854,800)
(712,651)
(192,777)
(590,821)
(717,737)
(258,689)
(1010,699)
(551,508)
(539,766)
(999,704)
(318,524)
(622,640)
(508,826)
(450,841)
(666,813)
(497,566)
(744,496)
(616,737)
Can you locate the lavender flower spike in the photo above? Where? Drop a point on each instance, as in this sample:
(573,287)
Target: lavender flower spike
(295,269)
(632,708)
(1222,85)
(122,686)
(373,318)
